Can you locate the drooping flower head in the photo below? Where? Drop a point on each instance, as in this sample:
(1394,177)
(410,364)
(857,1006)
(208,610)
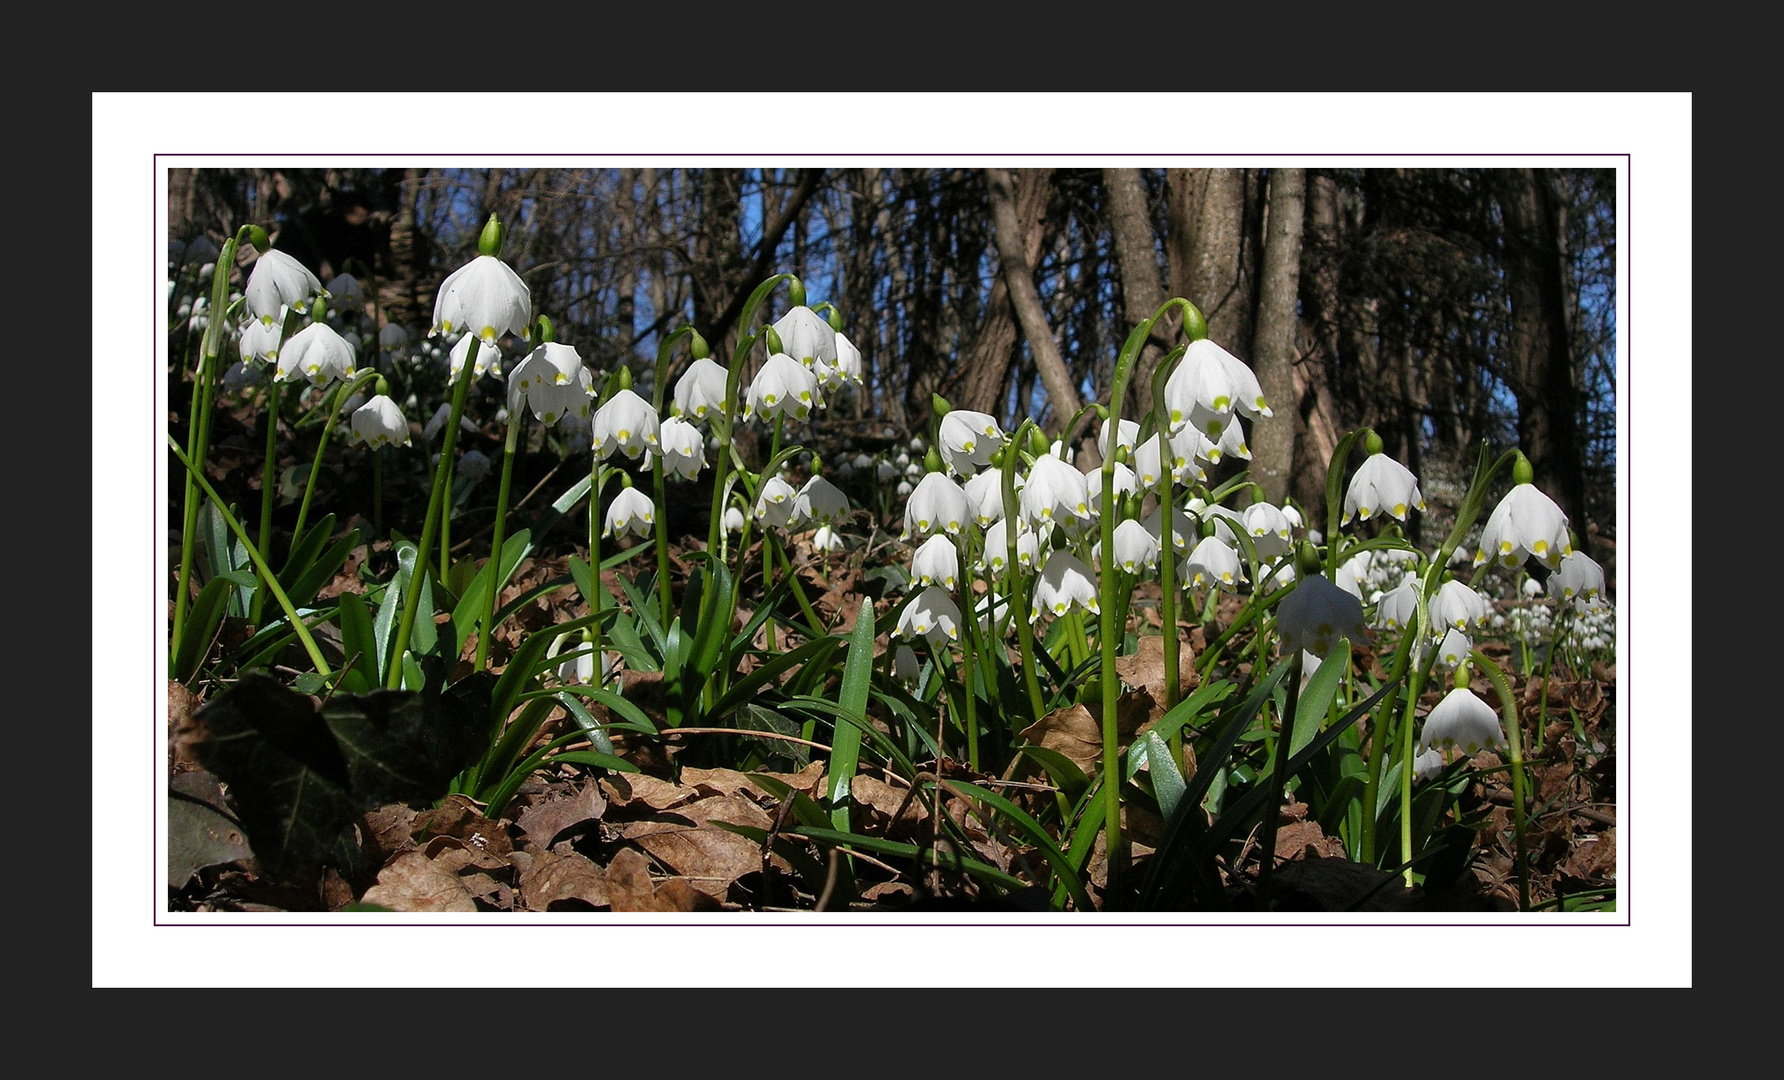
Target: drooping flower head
(807,338)
(701,389)
(784,387)
(774,502)
(819,502)
(967,439)
(380,423)
(553,382)
(630,512)
(1064,580)
(683,448)
(936,562)
(1579,578)
(319,352)
(278,279)
(1381,485)
(484,297)
(625,422)
(931,614)
(1208,386)
(1316,613)
(937,504)
(1463,721)
(1213,563)
(1526,522)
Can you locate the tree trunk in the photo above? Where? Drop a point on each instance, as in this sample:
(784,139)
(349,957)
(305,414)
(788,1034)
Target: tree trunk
(1018,275)
(980,378)
(1274,355)
(1130,224)
(1317,423)
(1539,358)
(1206,246)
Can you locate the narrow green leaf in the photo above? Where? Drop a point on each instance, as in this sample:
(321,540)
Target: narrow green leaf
(845,744)
(359,644)
(1317,696)
(1167,779)
(474,601)
(202,621)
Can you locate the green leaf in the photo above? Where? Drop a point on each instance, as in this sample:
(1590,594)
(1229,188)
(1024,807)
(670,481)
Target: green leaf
(473,602)
(594,729)
(1317,696)
(1167,779)
(359,644)
(845,742)
(404,746)
(201,626)
(1062,866)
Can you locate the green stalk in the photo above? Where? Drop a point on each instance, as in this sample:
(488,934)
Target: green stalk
(968,630)
(1278,781)
(1167,552)
(595,605)
(659,386)
(268,482)
(1508,711)
(442,473)
(1016,593)
(336,397)
(266,573)
(200,418)
(515,420)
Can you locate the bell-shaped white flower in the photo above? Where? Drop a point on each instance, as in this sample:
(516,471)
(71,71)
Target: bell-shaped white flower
(346,295)
(260,340)
(1526,522)
(631,511)
(774,502)
(1183,529)
(984,495)
(1064,580)
(967,439)
(1462,721)
(905,667)
(826,538)
(931,614)
(784,387)
(625,422)
(1126,433)
(1427,764)
(1381,485)
(489,357)
(1054,491)
(806,337)
(936,504)
(1316,613)
(1399,608)
(1125,484)
(553,382)
(683,448)
(1212,563)
(700,391)
(733,519)
(1208,386)
(996,555)
(379,423)
(936,562)
(848,366)
(1579,578)
(1459,606)
(1268,527)
(1136,549)
(1454,648)
(819,502)
(278,280)
(484,297)
(393,337)
(320,353)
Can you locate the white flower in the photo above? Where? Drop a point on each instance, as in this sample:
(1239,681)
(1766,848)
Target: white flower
(1458,605)
(1182,529)
(627,423)
(819,502)
(1213,562)
(1231,441)
(905,667)
(936,562)
(774,502)
(1381,485)
(379,422)
(1125,484)
(319,352)
(346,295)
(984,495)
(484,297)
(937,503)
(631,511)
(1427,764)
(553,382)
(1400,607)
(701,389)
(733,519)
(1268,528)
(393,337)
(784,387)
(1526,522)
(1579,578)
(684,449)
(932,614)
(1126,432)
(806,337)
(1064,581)
(1136,549)
(848,364)
(1228,523)
(1454,648)
(1316,613)
(967,439)
(278,279)
(1208,386)
(260,340)
(996,554)
(826,539)
(1054,491)
(1464,721)
(489,357)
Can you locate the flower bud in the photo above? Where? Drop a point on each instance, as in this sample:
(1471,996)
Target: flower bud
(546,331)
(1195,325)
(256,236)
(939,405)
(697,346)
(489,242)
(774,342)
(795,293)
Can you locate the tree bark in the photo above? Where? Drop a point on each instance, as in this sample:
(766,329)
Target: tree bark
(1274,355)
(1541,361)
(1316,437)
(1206,247)
(1018,275)
(1130,224)
(980,378)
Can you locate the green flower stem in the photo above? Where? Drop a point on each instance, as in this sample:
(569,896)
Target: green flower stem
(1563,622)
(200,422)
(1109,638)
(516,419)
(595,604)
(1278,781)
(969,642)
(378,491)
(1508,711)
(266,573)
(269,481)
(1375,743)
(1013,568)
(436,509)
(1167,551)
(813,623)
(336,397)
(659,386)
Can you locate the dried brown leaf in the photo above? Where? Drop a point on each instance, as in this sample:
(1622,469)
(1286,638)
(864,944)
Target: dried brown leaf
(562,883)
(545,822)
(413,882)
(630,888)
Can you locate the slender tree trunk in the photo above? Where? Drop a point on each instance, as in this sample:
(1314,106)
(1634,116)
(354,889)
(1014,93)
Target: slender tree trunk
(1317,423)
(1206,245)
(1018,274)
(1273,351)
(1130,223)
(984,370)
